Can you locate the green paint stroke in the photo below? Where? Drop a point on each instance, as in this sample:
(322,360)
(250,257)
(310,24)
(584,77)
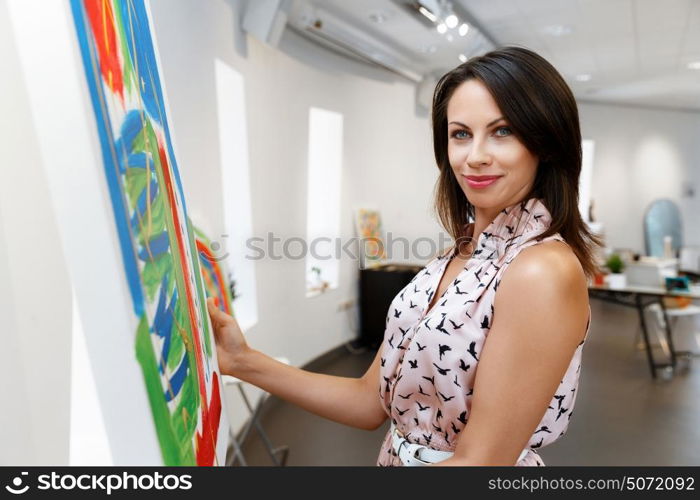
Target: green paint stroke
(128,67)
(200,290)
(176,422)
(174,451)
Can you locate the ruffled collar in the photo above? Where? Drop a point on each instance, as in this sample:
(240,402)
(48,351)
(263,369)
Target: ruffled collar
(512,226)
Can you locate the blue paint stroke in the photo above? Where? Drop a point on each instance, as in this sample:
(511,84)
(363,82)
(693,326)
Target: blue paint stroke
(156,247)
(141,204)
(140,47)
(109,151)
(137,160)
(163,328)
(178,378)
(206,263)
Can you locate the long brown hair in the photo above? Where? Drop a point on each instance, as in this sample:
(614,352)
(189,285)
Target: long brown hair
(542,113)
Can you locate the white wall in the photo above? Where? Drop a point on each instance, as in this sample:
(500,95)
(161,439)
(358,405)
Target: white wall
(387,157)
(641,155)
(35,295)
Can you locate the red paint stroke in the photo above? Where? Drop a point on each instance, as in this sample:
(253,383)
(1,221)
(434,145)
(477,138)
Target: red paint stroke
(102,23)
(205,440)
(201,247)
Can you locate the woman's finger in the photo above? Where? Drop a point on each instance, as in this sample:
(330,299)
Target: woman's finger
(218,317)
(213,310)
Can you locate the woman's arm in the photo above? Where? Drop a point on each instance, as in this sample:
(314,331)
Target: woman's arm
(350,401)
(541,311)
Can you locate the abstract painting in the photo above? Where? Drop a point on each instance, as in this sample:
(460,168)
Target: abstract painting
(173,336)
(369,229)
(216,282)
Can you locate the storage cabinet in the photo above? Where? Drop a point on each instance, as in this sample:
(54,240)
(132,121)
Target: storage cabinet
(378,287)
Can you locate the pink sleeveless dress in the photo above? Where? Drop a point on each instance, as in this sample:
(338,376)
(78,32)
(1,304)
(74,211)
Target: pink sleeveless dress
(427,376)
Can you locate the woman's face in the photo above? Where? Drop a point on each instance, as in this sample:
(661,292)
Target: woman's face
(494,169)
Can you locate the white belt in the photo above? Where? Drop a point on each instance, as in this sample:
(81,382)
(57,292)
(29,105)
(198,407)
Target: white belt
(412,454)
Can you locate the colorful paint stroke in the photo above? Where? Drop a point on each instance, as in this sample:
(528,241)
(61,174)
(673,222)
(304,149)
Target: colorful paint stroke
(216,283)
(173,333)
(369,230)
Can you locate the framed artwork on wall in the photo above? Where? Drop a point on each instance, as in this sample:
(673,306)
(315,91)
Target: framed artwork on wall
(368,226)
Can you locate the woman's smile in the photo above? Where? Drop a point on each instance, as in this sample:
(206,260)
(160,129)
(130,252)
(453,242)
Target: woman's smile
(481,181)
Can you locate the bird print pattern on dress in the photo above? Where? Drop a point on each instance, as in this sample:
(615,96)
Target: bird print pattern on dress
(441,346)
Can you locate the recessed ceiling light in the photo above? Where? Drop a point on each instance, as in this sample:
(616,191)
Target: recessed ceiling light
(463,58)
(694,65)
(378,16)
(463,29)
(557,30)
(442,29)
(583,77)
(451,21)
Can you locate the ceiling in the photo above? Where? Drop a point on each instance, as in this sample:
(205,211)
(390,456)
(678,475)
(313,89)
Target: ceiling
(633,52)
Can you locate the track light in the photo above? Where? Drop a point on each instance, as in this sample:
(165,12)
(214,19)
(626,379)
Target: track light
(427,14)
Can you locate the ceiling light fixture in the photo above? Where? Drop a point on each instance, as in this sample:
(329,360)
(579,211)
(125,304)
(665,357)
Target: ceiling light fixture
(451,21)
(463,58)
(463,29)
(442,28)
(694,65)
(427,14)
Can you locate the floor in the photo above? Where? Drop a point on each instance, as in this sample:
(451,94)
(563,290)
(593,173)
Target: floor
(622,416)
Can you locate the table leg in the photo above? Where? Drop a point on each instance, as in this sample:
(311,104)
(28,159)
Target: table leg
(669,337)
(645,334)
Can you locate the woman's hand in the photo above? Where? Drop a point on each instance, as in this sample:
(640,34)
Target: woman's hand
(230,342)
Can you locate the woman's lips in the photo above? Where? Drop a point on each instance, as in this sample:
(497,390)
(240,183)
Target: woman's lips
(481,181)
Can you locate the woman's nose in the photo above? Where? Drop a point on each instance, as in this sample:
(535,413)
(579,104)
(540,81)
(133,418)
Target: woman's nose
(479,154)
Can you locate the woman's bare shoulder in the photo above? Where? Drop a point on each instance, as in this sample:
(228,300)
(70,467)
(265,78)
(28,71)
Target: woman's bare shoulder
(545,287)
(552,260)
(549,269)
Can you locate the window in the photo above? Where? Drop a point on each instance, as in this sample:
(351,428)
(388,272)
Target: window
(584,186)
(235,181)
(323,201)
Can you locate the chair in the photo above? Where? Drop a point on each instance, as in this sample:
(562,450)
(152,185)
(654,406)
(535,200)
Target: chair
(690,259)
(689,312)
(673,315)
(277,454)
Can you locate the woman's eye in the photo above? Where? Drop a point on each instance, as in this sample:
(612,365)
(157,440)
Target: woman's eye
(503,131)
(460,134)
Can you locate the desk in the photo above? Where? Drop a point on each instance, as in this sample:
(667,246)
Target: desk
(640,297)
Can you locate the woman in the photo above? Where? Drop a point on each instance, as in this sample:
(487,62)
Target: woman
(508,146)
